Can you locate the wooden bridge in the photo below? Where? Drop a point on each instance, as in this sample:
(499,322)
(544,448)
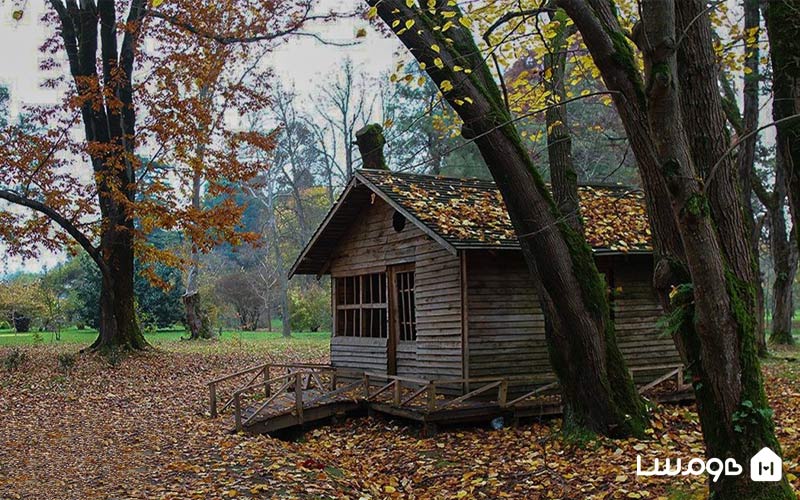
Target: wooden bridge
(271,397)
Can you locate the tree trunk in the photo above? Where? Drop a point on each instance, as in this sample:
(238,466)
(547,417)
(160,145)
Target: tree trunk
(596,386)
(784,46)
(784,260)
(118,327)
(559,139)
(283,283)
(716,319)
(747,155)
(370,142)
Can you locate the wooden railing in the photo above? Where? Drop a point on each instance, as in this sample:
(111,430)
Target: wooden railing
(297,379)
(432,389)
(262,371)
(676,371)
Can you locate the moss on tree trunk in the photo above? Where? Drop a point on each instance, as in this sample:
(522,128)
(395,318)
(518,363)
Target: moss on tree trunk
(596,386)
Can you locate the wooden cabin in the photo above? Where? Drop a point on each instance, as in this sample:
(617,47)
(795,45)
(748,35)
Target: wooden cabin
(429,280)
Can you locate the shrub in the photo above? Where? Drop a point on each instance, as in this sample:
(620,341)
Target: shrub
(22,324)
(14,359)
(310,308)
(80,325)
(5,325)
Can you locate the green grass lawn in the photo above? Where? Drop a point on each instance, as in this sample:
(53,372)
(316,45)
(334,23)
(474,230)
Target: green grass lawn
(74,336)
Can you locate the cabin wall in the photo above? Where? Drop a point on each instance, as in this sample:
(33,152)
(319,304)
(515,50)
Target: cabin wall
(637,312)
(370,245)
(506,324)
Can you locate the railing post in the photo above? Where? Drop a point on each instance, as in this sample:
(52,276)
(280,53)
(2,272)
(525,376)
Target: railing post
(679,384)
(333,380)
(267,391)
(298,395)
(366,386)
(398,387)
(237,408)
(431,396)
(212,396)
(502,393)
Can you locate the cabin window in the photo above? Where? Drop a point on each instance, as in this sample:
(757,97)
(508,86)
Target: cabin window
(406,309)
(361,309)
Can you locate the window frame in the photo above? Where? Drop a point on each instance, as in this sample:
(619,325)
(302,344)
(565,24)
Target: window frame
(363,305)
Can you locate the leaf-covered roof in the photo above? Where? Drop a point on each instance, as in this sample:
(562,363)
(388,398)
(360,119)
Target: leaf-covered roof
(470,213)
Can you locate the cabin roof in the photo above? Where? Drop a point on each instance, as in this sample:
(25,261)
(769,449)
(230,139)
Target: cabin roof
(466,214)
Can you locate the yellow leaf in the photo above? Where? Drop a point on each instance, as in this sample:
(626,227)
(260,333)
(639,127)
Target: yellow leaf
(409,24)
(435,48)
(361,33)
(438,63)
(372,12)
(156,3)
(389,489)
(465,22)
(446,86)
(17,15)
(409,3)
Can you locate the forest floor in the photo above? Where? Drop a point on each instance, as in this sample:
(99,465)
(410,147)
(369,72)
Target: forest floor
(139,430)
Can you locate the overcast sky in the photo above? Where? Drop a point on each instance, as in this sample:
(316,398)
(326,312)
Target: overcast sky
(302,62)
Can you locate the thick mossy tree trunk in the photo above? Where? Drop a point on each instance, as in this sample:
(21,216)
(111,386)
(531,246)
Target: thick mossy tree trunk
(712,311)
(705,124)
(784,46)
(597,388)
(716,318)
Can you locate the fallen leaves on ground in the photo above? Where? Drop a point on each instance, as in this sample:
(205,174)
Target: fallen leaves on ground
(140,430)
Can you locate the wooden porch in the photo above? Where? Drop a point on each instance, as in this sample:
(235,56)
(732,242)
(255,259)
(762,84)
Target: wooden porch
(273,397)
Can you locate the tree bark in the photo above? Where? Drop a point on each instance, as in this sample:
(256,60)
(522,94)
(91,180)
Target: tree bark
(784,46)
(597,389)
(563,177)
(747,156)
(716,320)
(197,319)
(370,142)
(784,260)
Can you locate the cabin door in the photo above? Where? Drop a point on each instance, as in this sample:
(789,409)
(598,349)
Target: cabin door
(402,317)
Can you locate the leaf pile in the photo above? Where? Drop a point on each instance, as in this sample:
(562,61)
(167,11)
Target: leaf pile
(141,431)
(471,212)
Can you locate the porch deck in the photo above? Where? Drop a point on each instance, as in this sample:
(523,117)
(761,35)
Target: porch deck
(283,396)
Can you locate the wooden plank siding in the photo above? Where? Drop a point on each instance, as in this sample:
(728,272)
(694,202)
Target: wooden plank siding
(506,324)
(371,244)
(636,314)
